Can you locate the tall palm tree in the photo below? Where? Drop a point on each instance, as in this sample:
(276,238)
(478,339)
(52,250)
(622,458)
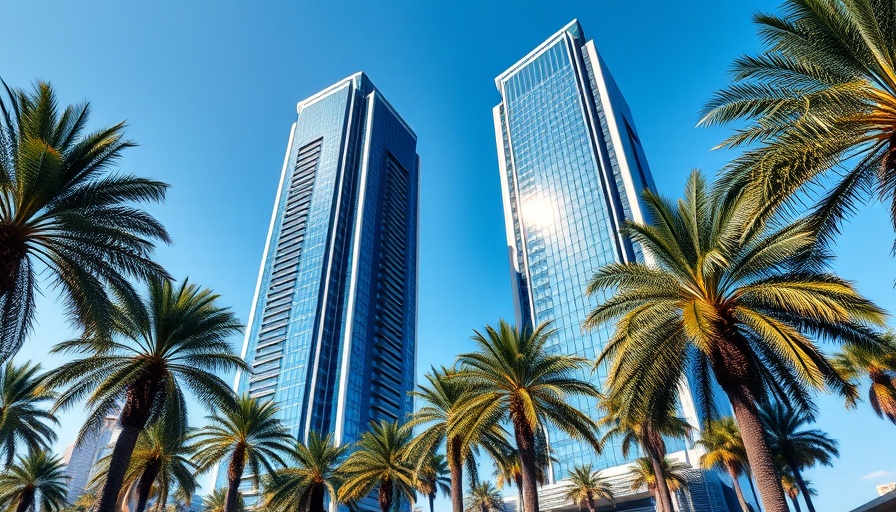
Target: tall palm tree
(432,477)
(173,338)
(247,433)
(642,475)
(446,420)
(215,502)
(158,462)
(879,366)
(380,461)
(66,215)
(586,485)
(649,429)
(304,485)
(484,497)
(34,483)
(725,450)
(799,448)
(732,298)
(514,377)
(820,101)
(24,420)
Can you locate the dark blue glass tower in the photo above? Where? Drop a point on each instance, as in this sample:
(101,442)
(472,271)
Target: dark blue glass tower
(332,330)
(572,171)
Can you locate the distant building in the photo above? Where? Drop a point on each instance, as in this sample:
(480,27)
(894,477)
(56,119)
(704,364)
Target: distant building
(81,458)
(331,336)
(885,488)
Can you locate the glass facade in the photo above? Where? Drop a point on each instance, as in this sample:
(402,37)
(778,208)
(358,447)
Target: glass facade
(572,171)
(332,332)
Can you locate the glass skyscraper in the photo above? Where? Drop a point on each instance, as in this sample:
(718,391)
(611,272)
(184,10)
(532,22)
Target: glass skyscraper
(332,330)
(572,171)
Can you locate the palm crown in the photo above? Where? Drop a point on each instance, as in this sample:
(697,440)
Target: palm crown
(24,421)
(879,366)
(642,474)
(247,433)
(515,378)
(731,297)
(483,497)
(62,210)
(586,485)
(304,485)
(35,482)
(175,337)
(381,459)
(725,450)
(820,99)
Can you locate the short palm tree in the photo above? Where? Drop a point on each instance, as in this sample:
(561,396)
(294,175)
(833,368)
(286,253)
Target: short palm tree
(642,475)
(24,420)
(731,298)
(798,448)
(879,366)
(587,485)
(158,463)
(445,419)
(820,104)
(175,337)
(725,450)
(215,502)
(514,377)
(34,483)
(649,429)
(484,497)
(304,485)
(65,215)
(507,464)
(792,490)
(247,433)
(434,476)
(380,461)
(86,502)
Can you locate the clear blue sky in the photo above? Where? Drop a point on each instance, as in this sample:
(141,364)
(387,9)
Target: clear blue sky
(209,90)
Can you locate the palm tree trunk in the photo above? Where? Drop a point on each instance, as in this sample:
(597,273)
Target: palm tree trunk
(591,506)
(804,489)
(118,465)
(796,503)
(385,495)
(317,498)
(663,496)
(737,489)
(12,251)
(456,466)
(525,443)
(753,491)
(144,485)
(519,493)
(234,477)
(432,502)
(731,366)
(27,501)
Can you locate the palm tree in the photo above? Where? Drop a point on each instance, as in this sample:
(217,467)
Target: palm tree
(23,419)
(86,502)
(447,421)
(35,483)
(484,497)
(507,464)
(514,377)
(245,434)
(792,490)
(174,338)
(820,101)
(64,214)
(304,486)
(642,475)
(434,476)
(798,448)
(731,298)
(725,450)
(380,460)
(648,429)
(880,367)
(586,485)
(215,502)
(159,461)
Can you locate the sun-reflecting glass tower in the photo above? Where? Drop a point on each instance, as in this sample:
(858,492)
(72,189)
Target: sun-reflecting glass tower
(572,172)
(332,330)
